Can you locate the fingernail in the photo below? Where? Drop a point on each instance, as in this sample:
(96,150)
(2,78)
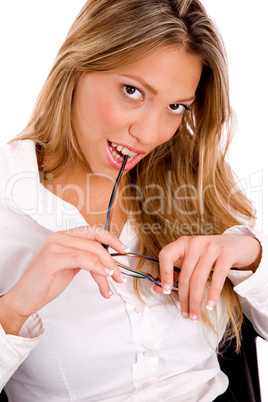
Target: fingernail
(152,290)
(210,305)
(166,289)
(109,272)
(123,278)
(111,294)
(126,249)
(193,318)
(185,315)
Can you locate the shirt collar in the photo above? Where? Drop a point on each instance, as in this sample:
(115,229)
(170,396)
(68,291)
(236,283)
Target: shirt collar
(24,193)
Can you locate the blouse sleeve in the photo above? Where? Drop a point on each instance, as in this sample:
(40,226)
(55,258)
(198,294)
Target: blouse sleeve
(15,349)
(20,240)
(252,288)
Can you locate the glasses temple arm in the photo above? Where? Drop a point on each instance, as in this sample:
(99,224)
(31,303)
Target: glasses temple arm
(110,206)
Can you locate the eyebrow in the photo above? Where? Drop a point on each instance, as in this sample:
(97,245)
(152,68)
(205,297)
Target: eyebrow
(153,90)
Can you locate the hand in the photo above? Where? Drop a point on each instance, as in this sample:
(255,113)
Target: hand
(197,256)
(60,259)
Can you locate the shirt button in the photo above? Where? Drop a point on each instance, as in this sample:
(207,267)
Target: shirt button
(262,300)
(255,292)
(139,308)
(146,385)
(148,353)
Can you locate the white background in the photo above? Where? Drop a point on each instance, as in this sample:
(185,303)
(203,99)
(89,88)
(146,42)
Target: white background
(31,32)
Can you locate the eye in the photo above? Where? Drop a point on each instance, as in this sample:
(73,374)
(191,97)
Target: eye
(178,108)
(132,92)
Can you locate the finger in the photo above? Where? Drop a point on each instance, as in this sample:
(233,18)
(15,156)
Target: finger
(101,235)
(167,256)
(156,289)
(187,268)
(159,289)
(220,272)
(103,285)
(72,258)
(93,247)
(198,284)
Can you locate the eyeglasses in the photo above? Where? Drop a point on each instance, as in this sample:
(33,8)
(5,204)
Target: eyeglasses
(135,258)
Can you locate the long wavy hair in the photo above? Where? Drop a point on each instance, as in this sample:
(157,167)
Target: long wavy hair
(191,166)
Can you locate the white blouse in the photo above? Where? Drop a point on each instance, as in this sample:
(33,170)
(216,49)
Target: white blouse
(82,347)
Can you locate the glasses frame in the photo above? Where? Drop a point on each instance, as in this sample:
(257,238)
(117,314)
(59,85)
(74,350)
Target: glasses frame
(130,271)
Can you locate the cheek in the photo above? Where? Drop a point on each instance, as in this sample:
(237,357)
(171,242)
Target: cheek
(109,115)
(168,130)
(105,114)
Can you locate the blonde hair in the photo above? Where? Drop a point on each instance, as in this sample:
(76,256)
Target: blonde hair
(109,33)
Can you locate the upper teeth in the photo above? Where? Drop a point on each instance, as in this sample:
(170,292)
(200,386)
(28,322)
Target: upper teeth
(124,150)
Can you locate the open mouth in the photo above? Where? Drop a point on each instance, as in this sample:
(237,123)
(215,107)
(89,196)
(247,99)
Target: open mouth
(118,151)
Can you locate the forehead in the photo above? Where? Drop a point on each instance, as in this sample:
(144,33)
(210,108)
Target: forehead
(169,68)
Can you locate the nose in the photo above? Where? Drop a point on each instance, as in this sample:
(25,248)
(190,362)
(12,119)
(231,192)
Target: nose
(146,127)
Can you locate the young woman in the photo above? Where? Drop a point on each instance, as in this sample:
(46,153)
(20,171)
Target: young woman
(140,88)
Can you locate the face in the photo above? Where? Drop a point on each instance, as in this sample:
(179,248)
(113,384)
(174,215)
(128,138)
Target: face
(133,109)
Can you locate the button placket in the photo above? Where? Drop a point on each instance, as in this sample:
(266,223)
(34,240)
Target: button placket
(145,369)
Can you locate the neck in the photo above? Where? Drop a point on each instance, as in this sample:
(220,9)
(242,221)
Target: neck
(90,194)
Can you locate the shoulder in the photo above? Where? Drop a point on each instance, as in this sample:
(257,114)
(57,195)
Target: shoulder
(18,149)
(16,158)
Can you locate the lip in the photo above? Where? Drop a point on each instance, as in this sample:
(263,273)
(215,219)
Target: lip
(115,163)
(130,147)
